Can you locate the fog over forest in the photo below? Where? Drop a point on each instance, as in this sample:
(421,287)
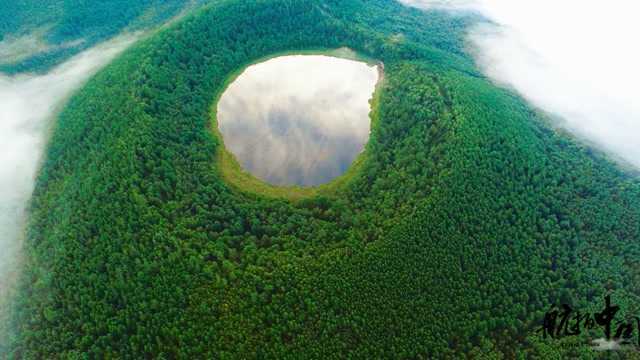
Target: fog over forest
(576,60)
(28,104)
(586,74)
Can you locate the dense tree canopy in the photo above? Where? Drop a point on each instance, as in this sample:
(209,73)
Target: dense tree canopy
(469,217)
(67,27)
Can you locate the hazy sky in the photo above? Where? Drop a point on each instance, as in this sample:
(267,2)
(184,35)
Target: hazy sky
(574,58)
(298,120)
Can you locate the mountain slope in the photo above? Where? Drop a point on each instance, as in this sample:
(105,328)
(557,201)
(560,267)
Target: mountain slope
(36,35)
(468,219)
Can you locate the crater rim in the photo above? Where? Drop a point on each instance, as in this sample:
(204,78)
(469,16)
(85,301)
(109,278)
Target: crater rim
(244,182)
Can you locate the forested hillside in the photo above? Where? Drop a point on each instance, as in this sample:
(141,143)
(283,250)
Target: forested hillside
(62,28)
(468,219)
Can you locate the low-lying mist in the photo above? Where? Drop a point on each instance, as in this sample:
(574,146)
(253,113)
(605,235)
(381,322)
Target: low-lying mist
(19,48)
(28,104)
(574,59)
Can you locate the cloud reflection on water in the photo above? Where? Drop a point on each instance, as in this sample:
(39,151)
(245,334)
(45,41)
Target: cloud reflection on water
(298,120)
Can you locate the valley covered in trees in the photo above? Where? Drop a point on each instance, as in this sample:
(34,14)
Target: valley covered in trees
(467,219)
(58,29)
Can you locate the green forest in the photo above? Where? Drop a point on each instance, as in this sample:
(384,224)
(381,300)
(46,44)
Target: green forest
(468,218)
(70,26)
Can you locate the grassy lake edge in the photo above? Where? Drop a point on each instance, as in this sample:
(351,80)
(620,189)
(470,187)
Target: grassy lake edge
(244,182)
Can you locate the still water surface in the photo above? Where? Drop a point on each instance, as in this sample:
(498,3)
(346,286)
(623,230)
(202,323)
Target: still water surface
(298,120)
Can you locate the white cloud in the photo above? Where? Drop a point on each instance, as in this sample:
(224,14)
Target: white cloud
(27,106)
(16,49)
(576,59)
(603,344)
